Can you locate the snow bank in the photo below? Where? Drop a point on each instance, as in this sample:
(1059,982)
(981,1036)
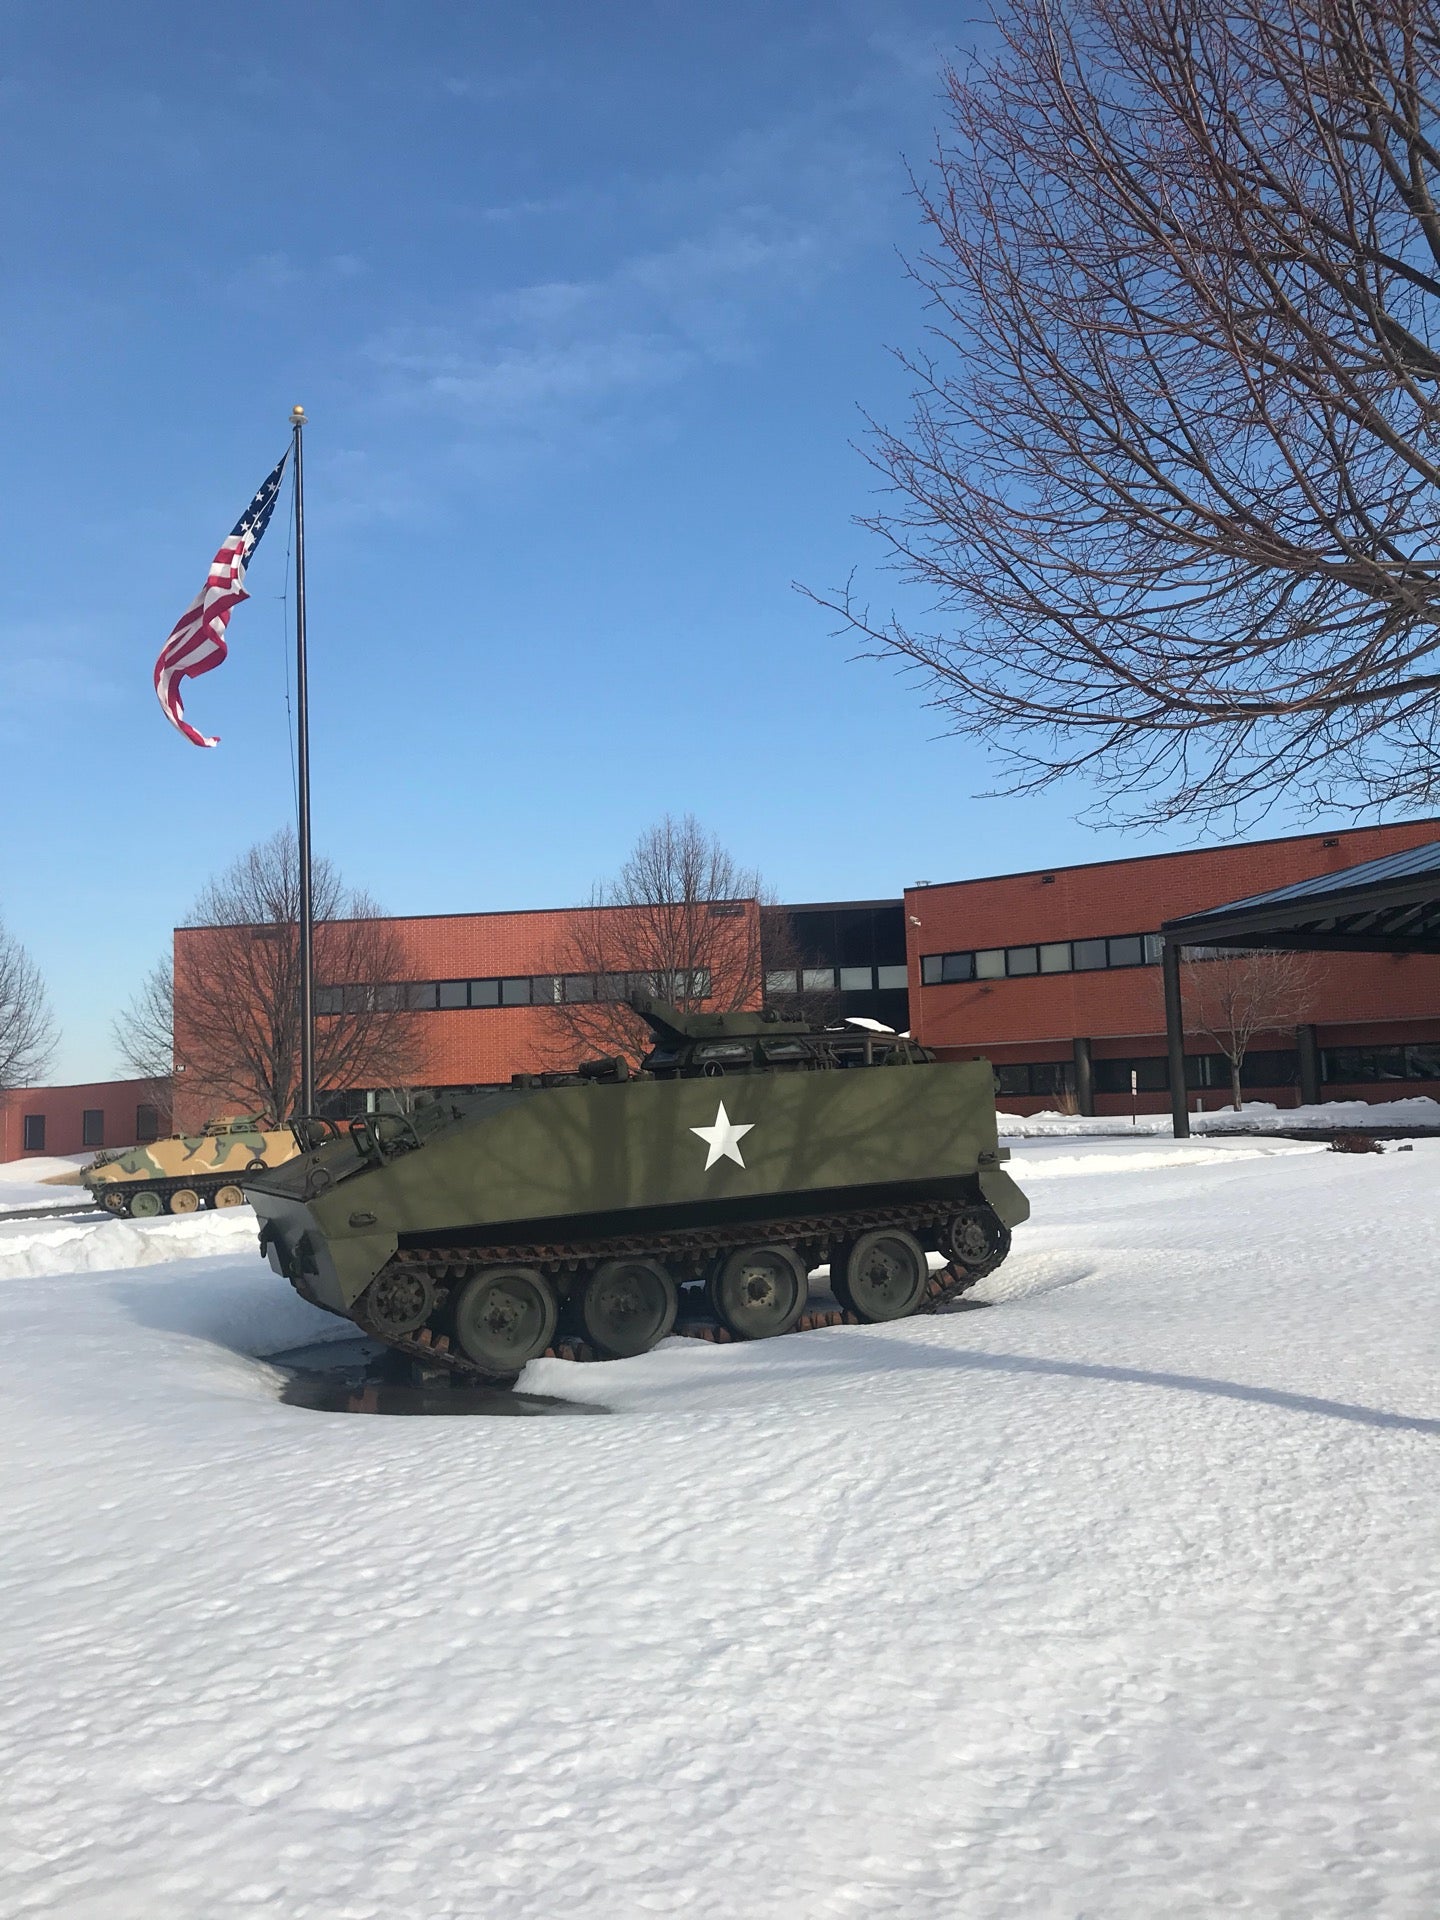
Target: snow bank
(1115,1599)
(1420,1111)
(29,1248)
(1046,1158)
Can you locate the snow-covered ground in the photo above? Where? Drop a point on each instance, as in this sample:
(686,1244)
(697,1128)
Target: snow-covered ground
(1255,1116)
(41,1182)
(1118,1599)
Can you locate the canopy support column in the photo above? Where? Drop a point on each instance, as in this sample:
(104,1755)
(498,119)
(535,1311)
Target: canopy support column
(1084,1079)
(1175,1039)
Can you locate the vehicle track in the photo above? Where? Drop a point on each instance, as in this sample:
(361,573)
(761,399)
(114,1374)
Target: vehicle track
(815,1238)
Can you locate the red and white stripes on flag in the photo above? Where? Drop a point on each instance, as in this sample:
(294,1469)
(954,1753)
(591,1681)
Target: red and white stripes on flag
(197,640)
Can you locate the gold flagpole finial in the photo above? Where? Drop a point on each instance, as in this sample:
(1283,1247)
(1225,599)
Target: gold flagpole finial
(297,415)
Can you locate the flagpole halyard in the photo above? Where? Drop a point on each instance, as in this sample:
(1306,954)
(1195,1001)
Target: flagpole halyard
(306,1103)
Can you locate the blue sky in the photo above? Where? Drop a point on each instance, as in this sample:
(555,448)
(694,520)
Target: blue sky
(585,304)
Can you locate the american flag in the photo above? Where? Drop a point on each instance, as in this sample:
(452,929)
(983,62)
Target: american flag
(197,640)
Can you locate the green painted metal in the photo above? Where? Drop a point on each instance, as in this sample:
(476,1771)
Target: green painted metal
(735,1118)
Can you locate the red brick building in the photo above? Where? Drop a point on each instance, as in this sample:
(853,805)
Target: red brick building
(1050,972)
(76,1120)
(492,994)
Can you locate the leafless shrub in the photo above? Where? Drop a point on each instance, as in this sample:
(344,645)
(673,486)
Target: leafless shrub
(1172,475)
(1231,994)
(1354,1140)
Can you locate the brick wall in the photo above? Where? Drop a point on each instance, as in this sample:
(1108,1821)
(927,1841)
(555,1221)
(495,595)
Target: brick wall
(64,1110)
(1361,998)
(478,1046)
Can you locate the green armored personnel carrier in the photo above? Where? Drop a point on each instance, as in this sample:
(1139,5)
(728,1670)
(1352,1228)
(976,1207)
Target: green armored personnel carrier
(746,1151)
(187,1170)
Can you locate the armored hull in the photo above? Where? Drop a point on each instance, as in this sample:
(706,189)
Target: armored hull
(745,1153)
(187,1170)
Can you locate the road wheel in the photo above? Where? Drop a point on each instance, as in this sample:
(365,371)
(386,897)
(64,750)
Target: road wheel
(628,1306)
(758,1292)
(228,1197)
(113,1200)
(184,1200)
(882,1275)
(146,1204)
(977,1239)
(505,1316)
(397,1301)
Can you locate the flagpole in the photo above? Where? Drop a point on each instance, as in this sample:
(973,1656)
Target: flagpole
(302,718)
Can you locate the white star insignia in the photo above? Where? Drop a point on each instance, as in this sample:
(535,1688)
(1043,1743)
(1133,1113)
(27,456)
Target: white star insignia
(723,1139)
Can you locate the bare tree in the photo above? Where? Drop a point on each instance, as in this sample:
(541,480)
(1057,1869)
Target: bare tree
(144,1034)
(27,1030)
(784,963)
(679,921)
(236,992)
(1232,993)
(1172,479)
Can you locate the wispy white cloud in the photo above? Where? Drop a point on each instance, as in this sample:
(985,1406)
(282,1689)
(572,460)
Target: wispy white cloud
(754,231)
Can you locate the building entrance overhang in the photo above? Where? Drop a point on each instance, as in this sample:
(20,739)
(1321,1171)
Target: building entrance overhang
(1381,906)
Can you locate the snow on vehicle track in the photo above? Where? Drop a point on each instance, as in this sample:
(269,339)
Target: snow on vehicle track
(1119,1599)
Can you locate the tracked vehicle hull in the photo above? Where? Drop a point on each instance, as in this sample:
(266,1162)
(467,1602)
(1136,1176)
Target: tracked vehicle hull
(595,1211)
(186,1171)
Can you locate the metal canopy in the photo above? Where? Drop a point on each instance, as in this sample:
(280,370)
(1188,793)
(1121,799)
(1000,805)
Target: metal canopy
(1382,906)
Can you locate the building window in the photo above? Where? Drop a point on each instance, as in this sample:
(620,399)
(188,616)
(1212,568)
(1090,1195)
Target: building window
(1054,956)
(857,979)
(1264,1067)
(327,1000)
(538,990)
(34,1133)
(1366,1066)
(1152,1075)
(147,1124)
(92,1127)
(1028,1079)
(786,982)
(818,979)
(892,979)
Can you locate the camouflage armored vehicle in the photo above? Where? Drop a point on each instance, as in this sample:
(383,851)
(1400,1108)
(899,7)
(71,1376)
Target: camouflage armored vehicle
(186,1171)
(745,1152)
